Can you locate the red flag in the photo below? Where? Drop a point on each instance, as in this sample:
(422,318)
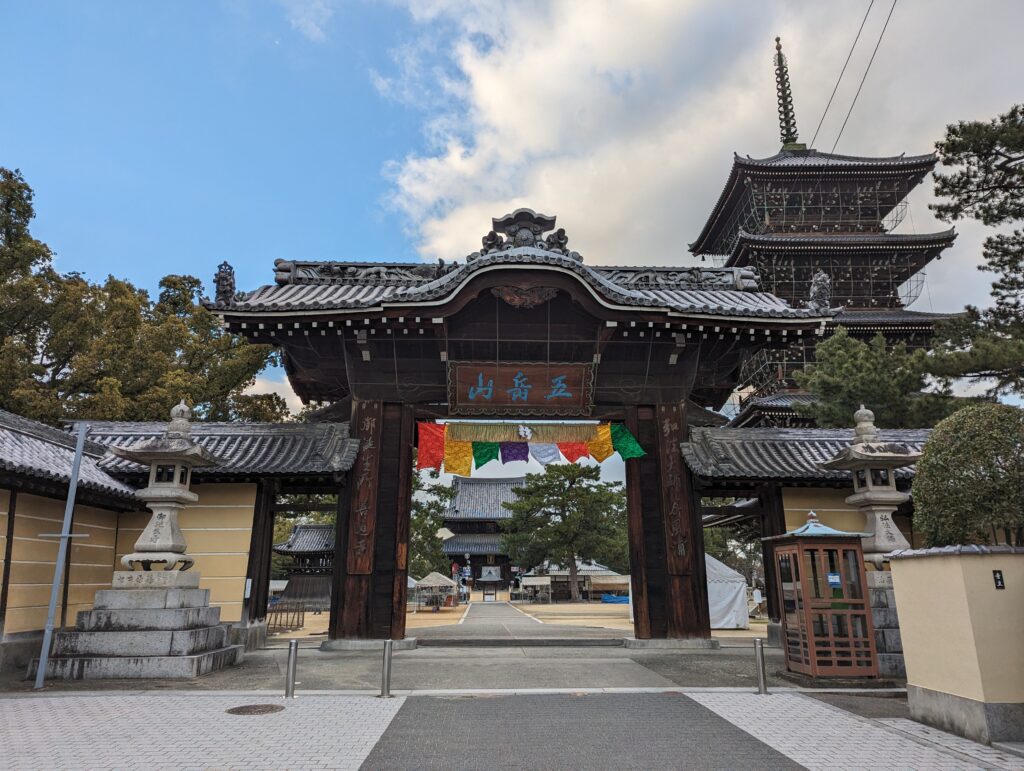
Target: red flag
(573,451)
(431,445)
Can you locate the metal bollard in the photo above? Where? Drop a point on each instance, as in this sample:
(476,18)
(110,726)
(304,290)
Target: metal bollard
(385,674)
(762,678)
(293,661)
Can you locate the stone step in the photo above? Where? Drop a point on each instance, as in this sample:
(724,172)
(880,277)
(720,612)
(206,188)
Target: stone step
(140,599)
(154,643)
(135,667)
(169,619)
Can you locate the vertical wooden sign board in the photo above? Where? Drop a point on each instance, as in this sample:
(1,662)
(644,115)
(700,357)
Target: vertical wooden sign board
(363,514)
(678,549)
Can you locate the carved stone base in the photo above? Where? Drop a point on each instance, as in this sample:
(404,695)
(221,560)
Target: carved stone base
(147,559)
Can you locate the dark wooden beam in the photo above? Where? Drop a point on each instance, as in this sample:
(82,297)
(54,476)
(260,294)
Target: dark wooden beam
(773,522)
(260,543)
(403,509)
(637,554)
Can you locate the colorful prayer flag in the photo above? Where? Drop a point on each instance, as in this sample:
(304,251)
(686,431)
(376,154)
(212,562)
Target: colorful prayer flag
(545,453)
(601,445)
(573,451)
(511,451)
(458,458)
(625,443)
(484,452)
(430,448)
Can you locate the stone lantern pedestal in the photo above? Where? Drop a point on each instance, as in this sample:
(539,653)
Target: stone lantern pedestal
(151,623)
(873,464)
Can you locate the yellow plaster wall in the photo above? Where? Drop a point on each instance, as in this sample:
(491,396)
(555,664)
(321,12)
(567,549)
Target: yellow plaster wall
(33,558)
(960,634)
(832,509)
(5,504)
(217,530)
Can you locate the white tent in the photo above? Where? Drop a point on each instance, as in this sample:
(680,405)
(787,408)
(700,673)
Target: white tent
(727,596)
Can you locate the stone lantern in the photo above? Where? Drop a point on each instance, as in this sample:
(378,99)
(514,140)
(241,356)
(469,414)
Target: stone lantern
(171,459)
(873,464)
(152,623)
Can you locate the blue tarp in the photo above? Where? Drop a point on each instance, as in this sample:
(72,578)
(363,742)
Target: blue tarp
(612,599)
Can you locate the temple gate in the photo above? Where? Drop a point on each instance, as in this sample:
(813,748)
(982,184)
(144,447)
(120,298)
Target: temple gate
(526,322)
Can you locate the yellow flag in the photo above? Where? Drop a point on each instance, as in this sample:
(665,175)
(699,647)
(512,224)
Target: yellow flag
(601,445)
(458,457)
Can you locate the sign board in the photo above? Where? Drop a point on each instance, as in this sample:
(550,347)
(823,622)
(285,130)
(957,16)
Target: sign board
(997,576)
(467,571)
(520,388)
(835,581)
(490,573)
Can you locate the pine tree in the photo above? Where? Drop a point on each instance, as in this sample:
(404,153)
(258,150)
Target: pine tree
(563,515)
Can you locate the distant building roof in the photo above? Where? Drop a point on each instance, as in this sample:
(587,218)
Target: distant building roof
(473,543)
(308,539)
(780,454)
(783,403)
(550,568)
(30,450)
(482,499)
(243,449)
(802,164)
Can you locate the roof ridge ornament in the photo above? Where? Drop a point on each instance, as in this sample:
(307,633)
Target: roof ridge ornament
(525,228)
(787,116)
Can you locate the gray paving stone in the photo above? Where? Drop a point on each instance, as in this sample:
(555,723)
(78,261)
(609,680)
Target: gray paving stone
(591,731)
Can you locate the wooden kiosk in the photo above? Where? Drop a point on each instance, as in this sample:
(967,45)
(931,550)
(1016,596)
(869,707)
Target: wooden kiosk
(827,629)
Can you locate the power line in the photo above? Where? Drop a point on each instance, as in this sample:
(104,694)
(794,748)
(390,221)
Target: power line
(866,71)
(843,72)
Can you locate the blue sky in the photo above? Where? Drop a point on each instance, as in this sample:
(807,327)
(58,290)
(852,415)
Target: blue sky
(164,137)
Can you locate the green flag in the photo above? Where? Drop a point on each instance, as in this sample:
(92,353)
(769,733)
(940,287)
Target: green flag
(623,442)
(484,452)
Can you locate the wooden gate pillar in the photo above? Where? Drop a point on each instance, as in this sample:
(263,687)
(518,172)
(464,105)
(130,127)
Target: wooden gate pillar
(665,532)
(773,523)
(371,544)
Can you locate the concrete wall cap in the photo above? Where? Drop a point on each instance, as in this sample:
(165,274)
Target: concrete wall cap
(955,551)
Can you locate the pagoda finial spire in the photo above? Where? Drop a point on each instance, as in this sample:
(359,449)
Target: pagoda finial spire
(787,117)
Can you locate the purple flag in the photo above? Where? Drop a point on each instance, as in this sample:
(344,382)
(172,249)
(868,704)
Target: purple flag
(511,451)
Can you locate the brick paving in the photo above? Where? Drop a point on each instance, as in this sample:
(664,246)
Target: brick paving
(820,736)
(189,731)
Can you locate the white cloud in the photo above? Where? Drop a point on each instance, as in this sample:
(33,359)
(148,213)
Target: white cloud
(269,384)
(623,120)
(309,17)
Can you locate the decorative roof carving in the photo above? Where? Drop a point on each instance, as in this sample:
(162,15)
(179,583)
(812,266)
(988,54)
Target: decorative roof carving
(288,272)
(820,297)
(518,297)
(743,279)
(524,228)
(224,281)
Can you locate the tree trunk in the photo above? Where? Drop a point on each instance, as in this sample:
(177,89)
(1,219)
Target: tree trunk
(574,586)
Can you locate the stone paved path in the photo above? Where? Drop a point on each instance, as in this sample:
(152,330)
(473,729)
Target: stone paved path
(500,620)
(567,730)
